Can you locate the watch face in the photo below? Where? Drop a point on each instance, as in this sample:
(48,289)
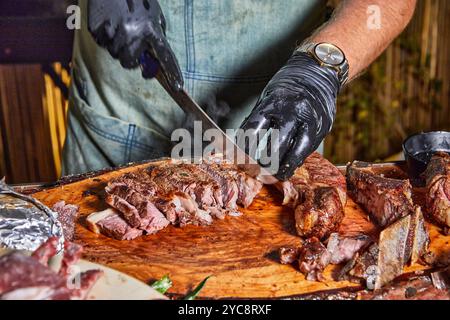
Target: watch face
(329,54)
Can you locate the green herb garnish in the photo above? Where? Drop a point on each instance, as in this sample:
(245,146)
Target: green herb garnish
(196,291)
(162,285)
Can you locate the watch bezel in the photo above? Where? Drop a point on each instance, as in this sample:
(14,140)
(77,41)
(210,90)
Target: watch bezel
(328,45)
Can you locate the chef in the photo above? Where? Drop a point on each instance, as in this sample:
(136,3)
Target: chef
(253,64)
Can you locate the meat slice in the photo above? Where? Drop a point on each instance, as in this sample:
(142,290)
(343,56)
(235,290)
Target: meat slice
(29,277)
(385,199)
(138,209)
(317,191)
(46,250)
(67,214)
(437,176)
(237,187)
(343,248)
(110,223)
(313,259)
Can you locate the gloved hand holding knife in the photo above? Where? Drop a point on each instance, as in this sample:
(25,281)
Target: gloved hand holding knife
(129,29)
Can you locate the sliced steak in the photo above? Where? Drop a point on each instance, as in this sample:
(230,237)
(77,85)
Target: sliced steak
(190,179)
(437,176)
(317,191)
(178,207)
(137,208)
(313,259)
(67,213)
(111,224)
(385,199)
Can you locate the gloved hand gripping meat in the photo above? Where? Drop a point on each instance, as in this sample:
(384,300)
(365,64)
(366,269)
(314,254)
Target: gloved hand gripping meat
(299,101)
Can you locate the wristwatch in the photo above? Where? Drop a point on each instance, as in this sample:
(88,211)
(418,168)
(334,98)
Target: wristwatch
(328,55)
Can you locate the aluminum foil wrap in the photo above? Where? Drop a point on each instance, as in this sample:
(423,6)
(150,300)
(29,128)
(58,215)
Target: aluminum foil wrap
(25,223)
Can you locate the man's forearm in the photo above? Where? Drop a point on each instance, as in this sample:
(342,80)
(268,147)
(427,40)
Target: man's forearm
(356,29)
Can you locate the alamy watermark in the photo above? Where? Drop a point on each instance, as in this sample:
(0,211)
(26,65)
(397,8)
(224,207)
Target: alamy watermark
(373,17)
(73,21)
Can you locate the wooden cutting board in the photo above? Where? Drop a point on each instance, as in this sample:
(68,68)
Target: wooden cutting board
(239,252)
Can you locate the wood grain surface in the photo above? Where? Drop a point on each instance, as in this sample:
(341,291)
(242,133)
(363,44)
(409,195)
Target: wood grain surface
(239,252)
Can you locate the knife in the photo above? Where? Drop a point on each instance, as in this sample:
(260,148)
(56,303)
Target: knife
(228,147)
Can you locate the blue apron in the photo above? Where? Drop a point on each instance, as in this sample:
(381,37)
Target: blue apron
(227,49)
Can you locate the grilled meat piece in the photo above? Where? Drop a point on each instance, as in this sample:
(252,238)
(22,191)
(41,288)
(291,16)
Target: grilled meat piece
(313,259)
(67,214)
(385,199)
(110,223)
(30,278)
(288,255)
(437,176)
(320,214)
(343,248)
(317,191)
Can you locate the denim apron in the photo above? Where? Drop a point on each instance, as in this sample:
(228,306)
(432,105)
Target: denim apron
(227,49)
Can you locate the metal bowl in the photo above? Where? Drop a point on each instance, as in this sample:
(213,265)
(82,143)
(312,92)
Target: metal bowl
(419,148)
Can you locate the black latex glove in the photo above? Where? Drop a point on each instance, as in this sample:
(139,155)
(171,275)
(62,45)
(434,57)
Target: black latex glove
(128,28)
(300,101)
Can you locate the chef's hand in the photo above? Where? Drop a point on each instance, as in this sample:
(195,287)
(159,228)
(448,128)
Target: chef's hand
(300,101)
(128,29)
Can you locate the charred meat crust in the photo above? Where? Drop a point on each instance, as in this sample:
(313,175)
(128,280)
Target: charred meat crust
(437,177)
(385,199)
(317,191)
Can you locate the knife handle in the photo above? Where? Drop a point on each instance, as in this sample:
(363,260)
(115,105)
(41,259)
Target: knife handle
(149,65)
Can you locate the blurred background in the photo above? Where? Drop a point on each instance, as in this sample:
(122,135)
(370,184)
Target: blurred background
(405,91)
